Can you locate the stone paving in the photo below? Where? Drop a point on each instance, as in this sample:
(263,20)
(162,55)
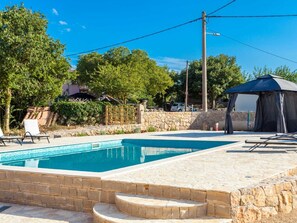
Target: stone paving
(31,214)
(225,170)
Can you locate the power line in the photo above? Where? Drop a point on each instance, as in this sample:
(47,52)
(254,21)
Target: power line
(137,38)
(252,16)
(148,35)
(256,48)
(224,6)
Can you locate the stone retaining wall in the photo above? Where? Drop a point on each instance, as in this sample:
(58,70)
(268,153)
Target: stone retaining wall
(167,121)
(74,193)
(98,130)
(270,197)
(81,193)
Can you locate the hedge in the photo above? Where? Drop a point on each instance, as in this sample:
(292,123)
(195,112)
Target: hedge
(78,113)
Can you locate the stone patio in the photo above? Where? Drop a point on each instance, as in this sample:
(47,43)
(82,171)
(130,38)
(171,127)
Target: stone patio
(225,169)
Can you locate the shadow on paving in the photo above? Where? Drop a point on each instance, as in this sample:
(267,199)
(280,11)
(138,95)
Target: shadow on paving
(201,134)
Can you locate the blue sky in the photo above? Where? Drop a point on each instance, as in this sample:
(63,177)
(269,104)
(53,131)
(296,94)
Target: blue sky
(89,24)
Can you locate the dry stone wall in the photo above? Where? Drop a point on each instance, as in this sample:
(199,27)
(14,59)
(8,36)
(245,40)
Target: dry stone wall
(270,197)
(167,121)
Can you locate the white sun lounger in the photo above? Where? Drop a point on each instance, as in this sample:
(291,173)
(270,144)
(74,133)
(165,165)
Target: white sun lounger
(32,130)
(4,138)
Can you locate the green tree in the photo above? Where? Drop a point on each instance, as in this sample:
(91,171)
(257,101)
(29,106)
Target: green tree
(32,65)
(282,71)
(123,74)
(87,66)
(222,73)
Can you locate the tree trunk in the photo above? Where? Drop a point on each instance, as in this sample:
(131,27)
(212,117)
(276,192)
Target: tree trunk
(6,120)
(213,104)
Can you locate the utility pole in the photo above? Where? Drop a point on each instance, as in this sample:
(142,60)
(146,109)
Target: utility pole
(204,68)
(186,92)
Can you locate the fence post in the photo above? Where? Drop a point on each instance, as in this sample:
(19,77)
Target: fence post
(121,111)
(106,114)
(140,113)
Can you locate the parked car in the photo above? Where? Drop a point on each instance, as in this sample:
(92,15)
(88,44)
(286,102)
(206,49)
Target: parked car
(179,106)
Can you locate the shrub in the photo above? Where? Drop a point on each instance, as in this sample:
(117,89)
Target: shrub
(78,113)
(151,129)
(137,130)
(119,132)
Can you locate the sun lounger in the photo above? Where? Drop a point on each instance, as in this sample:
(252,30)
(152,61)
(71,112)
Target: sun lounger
(282,136)
(269,141)
(4,138)
(32,130)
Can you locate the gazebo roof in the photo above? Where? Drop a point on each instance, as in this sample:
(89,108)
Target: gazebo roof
(267,83)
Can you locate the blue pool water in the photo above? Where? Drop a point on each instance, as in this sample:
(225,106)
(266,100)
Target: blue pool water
(104,156)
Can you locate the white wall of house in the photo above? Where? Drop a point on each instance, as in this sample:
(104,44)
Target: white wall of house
(70,89)
(245,103)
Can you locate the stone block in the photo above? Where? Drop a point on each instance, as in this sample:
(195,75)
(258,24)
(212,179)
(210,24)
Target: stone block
(49,201)
(287,186)
(4,185)
(167,213)
(294,198)
(183,213)
(49,179)
(284,202)
(2,175)
(129,188)
(64,191)
(269,190)
(155,191)
(272,201)
(222,211)
(6,196)
(142,189)
(77,182)
(198,195)
(219,197)
(107,197)
(185,193)
(83,193)
(174,192)
(246,200)
(158,213)
(73,192)
(268,211)
(135,211)
(149,212)
(259,197)
(55,190)
(92,183)
(235,198)
(210,209)
(26,187)
(68,181)
(94,195)
(279,187)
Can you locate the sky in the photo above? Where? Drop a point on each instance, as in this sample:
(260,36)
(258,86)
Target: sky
(90,24)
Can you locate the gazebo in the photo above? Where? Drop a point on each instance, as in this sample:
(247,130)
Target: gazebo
(276,109)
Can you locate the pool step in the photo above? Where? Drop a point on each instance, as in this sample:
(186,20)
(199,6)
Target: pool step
(159,208)
(108,213)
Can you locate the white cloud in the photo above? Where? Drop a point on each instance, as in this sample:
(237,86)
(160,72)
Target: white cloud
(55,12)
(176,64)
(68,30)
(63,23)
(84,27)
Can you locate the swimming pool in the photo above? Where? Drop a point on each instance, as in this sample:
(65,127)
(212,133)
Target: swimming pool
(104,156)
